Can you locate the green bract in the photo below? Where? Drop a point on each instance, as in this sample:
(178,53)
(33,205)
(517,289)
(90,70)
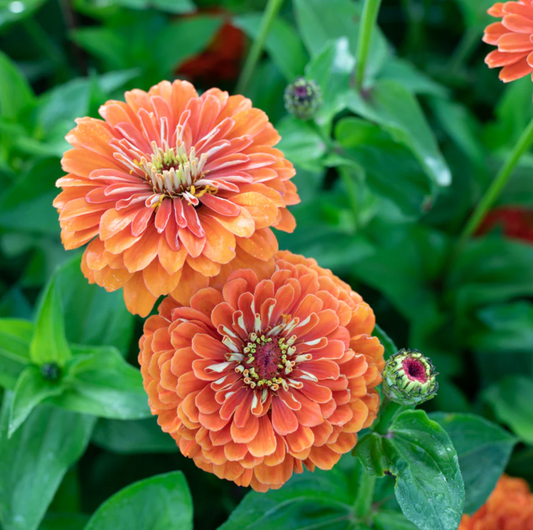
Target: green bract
(409,378)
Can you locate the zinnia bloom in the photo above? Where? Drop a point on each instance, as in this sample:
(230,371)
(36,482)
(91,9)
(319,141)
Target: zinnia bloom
(258,379)
(170,189)
(509,507)
(513,37)
(515,222)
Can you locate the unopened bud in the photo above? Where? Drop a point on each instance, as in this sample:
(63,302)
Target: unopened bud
(409,378)
(303,98)
(50,371)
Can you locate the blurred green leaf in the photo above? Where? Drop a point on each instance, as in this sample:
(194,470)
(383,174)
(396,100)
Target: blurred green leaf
(172,6)
(49,343)
(282,44)
(162,502)
(15,92)
(100,382)
(391,521)
(392,106)
(15,338)
(30,391)
(133,437)
(102,318)
(64,521)
(386,341)
(12,11)
(483,449)
(34,461)
(418,452)
(511,399)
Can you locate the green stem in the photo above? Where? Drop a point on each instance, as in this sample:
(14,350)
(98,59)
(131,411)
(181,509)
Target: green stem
(351,190)
(365,495)
(368,21)
(464,49)
(492,194)
(388,411)
(269,15)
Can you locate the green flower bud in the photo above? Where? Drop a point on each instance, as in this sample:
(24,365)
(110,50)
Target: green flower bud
(303,98)
(409,378)
(50,371)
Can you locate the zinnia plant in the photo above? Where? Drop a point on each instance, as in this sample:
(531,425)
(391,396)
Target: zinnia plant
(258,379)
(173,189)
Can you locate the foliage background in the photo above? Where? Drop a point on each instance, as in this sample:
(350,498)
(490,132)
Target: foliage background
(387,176)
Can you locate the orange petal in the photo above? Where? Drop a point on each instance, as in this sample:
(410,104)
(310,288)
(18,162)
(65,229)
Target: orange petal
(261,245)
(203,265)
(138,298)
(263,211)
(220,242)
(190,283)
(158,280)
(243,225)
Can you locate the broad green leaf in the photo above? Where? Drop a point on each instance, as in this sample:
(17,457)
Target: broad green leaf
(418,452)
(105,44)
(386,341)
(162,502)
(301,143)
(35,459)
(100,382)
(332,69)
(320,500)
(483,449)
(282,44)
(504,328)
(102,318)
(511,399)
(15,337)
(15,91)
(33,192)
(49,343)
(393,107)
(385,520)
(133,437)
(31,389)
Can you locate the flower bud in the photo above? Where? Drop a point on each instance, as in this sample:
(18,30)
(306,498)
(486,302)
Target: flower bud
(409,378)
(50,371)
(303,98)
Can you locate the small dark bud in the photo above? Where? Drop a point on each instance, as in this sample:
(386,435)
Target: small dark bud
(303,98)
(50,371)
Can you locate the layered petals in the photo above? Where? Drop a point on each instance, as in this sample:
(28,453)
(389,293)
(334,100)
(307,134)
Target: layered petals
(172,187)
(265,374)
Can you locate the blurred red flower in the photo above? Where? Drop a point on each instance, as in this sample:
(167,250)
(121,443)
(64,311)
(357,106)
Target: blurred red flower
(264,376)
(513,37)
(509,507)
(172,188)
(516,222)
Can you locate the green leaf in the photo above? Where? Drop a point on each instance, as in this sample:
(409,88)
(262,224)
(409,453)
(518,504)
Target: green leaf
(301,143)
(171,6)
(34,461)
(321,500)
(102,318)
(30,391)
(133,437)
(393,107)
(332,69)
(99,381)
(15,91)
(15,337)
(385,520)
(418,452)
(162,502)
(282,44)
(26,8)
(49,343)
(64,521)
(511,399)
(386,341)
(483,449)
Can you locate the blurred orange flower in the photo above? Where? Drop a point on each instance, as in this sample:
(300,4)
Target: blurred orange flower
(171,188)
(515,222)
(263,377)
(509,507)
(513,37)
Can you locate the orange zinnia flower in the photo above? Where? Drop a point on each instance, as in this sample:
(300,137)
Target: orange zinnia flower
(509,507)
(262,377)
(170,188)
(513,37)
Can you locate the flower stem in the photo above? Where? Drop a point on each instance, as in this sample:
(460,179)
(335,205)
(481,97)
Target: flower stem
(368,21)
(490,196)
(365,494)
(269,15)
(388,411)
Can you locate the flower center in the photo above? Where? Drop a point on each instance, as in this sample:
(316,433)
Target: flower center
(415,370)
(174,172)
(267,361)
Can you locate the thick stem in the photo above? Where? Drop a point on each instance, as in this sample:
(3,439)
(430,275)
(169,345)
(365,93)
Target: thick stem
(492,194)
(368,21)
(388,411)
(365,495)
(269,15)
